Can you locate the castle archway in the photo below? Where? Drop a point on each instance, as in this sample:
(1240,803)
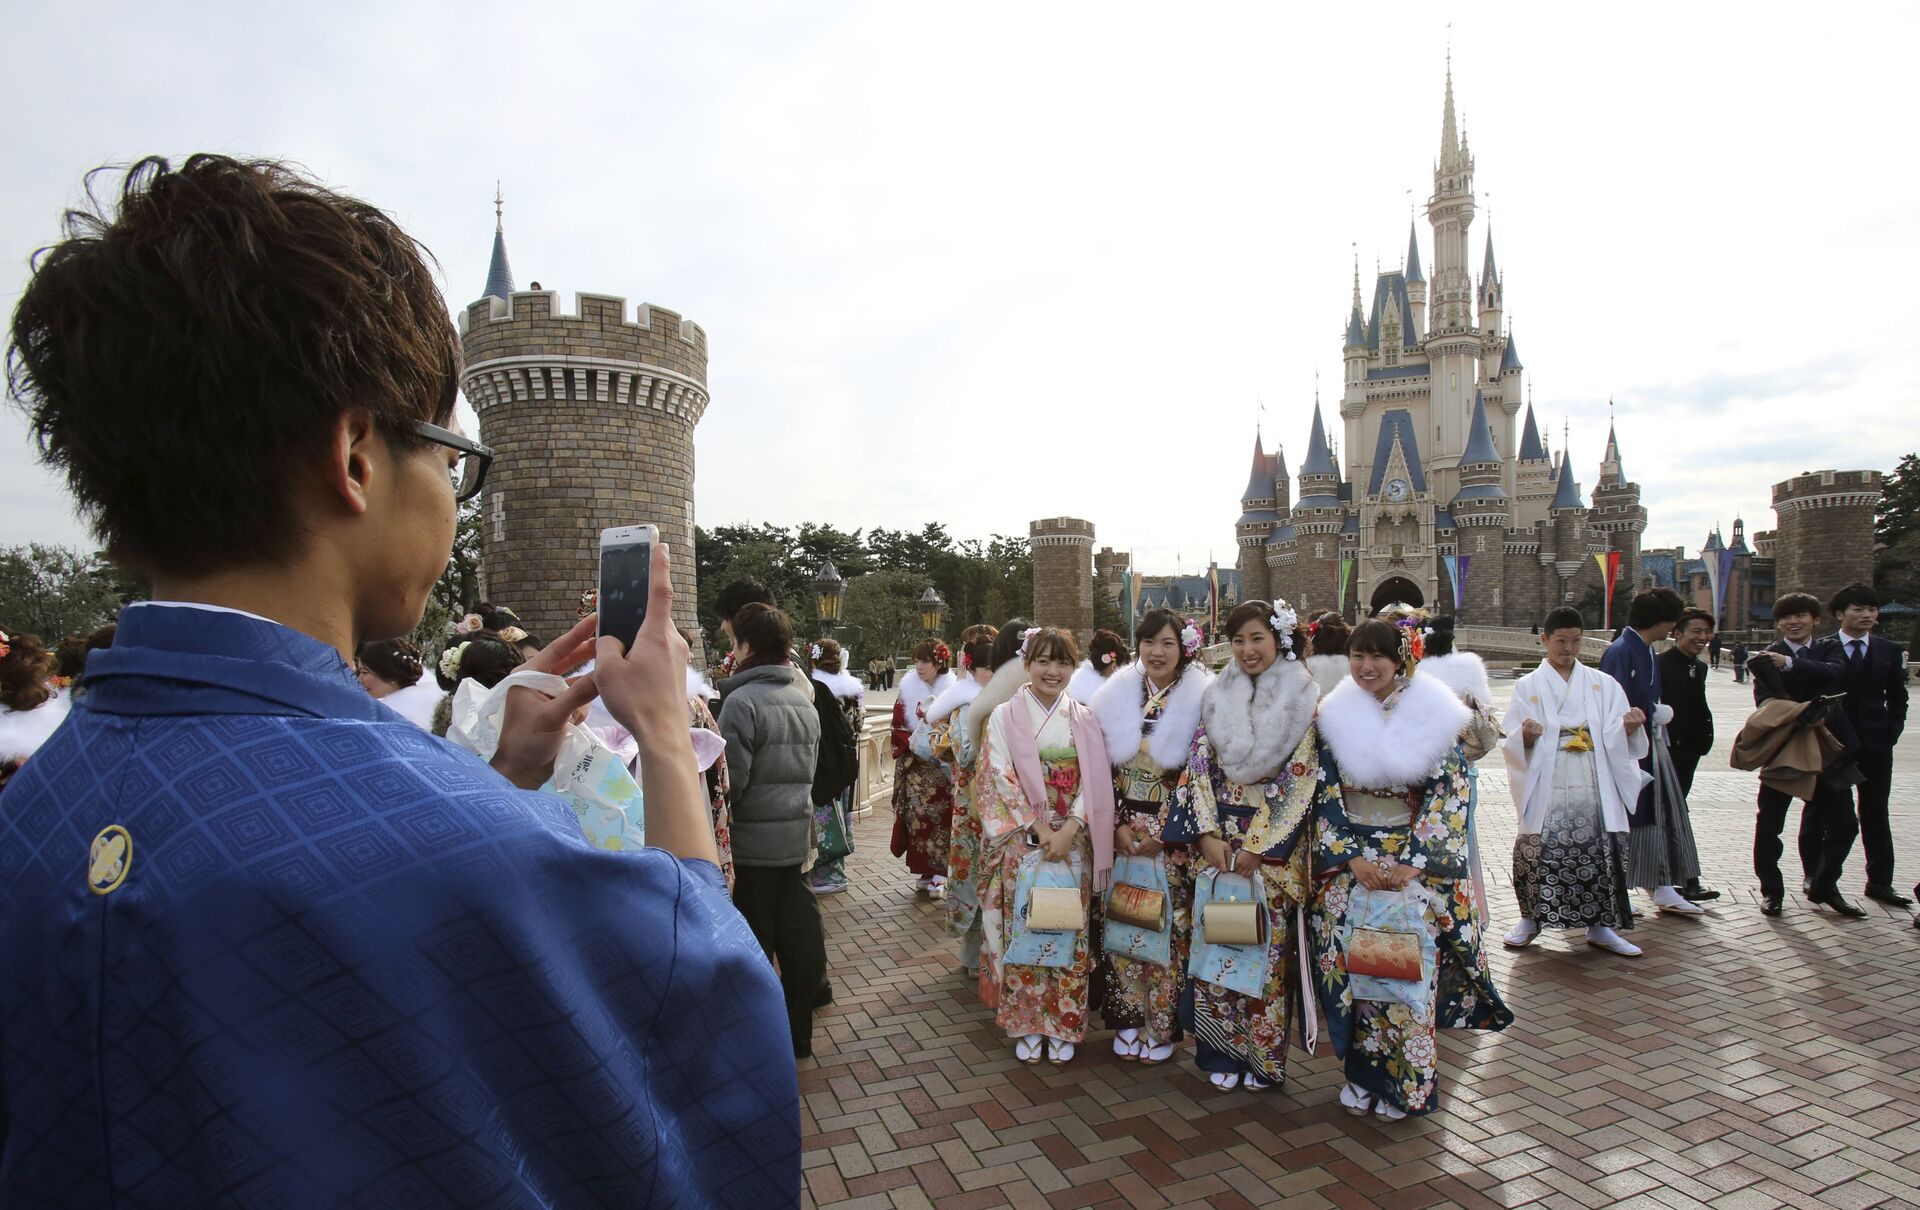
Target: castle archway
(1397,590)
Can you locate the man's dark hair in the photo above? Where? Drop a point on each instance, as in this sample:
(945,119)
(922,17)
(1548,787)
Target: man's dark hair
(188,347)
(1689,616)
(738,595)
(1562,617)
(766,632)
(1789,604)
(1853,594)
(1654,606)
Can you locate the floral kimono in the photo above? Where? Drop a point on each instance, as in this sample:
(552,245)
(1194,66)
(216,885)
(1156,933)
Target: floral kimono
(1249,781)
(1394,789)
(1151,732)
(701,715)
(1047,1000)
(922,792)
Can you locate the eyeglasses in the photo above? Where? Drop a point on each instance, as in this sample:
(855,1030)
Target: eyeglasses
(470,472)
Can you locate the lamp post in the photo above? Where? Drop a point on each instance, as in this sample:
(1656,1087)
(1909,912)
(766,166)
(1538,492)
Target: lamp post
(932,611)
(829,595)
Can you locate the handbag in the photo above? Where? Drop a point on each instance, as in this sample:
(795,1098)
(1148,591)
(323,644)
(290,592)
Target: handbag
(1029,942)
(1391,957)
(1234,915)
(1381,954)
(1055,909)
(1143,907)
(1138,924)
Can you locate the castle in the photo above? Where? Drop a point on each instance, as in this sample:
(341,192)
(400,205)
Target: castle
(1447,498)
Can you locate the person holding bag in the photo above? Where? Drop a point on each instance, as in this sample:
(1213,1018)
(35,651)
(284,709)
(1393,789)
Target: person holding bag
(1149,712)
(1396,928)
(947,726)
(1046,847)
(1240,813)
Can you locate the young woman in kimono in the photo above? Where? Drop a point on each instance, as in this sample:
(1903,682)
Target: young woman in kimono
(1394,812)
(922,795)
(1035,806)
(1327,650)
(1573,750)
(1106,655)
(1149,712)
(946,728)
(1242,808)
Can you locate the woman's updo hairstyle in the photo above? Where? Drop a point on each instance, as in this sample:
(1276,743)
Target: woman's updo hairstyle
(1006,644)
(1247,611)
(1375,637)
(23,673)
(830,658)
(976,647)
(1330,634)
(1108,650)
(484,658)
(934,652)
(395,661)
(1439,638)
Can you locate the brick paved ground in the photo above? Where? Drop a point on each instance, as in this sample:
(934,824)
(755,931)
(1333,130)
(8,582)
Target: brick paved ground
(1743,1062)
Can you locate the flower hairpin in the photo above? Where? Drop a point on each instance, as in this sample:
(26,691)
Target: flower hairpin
(966,662)
(1026,634)
(6,644)
(942,654)
(512,634)
(589,601)
(1190,638)
(471,624)
(1107,658)
(1284,620)
(813,653)
(450,661)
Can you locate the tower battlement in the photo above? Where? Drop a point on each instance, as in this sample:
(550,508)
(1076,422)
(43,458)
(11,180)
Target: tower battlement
(599,310)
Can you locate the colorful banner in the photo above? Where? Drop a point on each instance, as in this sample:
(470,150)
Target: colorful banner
(1346,573)
(1457,575)
(1724,563)
(1609,572)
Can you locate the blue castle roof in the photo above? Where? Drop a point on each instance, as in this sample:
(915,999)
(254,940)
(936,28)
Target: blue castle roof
(1391,291)
(1479,434)
(1531,449)
(1397,423)
(1567,494)
(1413,255)
(1510,356)
(499,272)
(1319,454)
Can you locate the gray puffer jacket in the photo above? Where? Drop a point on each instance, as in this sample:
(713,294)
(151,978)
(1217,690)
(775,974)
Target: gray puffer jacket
(773,740)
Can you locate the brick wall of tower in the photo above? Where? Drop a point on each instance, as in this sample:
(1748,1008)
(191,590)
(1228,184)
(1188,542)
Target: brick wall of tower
(1824,540)
(1109,565)
(1617,512)
(1480,602)
(1256,583)
(591,418)
(1063,575)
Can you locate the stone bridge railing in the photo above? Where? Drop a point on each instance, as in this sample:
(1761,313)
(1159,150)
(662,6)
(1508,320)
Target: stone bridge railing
(1489,642)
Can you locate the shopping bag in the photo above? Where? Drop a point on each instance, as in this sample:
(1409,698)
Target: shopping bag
(587,775)
(1033,946)
(1391,955)
(1242,968)
(1139,917)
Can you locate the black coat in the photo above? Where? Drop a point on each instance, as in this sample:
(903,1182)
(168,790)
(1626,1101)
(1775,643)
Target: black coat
(1876,690)
(1818,671)
(1683,686)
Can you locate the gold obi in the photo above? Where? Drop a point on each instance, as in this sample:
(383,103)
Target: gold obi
(1576,739)
(1371,809)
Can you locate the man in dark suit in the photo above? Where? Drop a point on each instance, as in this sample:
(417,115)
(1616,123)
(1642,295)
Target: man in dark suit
(1661,855)
(1795,667)
(1683,687)
(1876,684)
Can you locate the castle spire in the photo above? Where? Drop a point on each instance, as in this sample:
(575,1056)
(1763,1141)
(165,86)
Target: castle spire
(1567,494)
(1610,471)
(1260,479)
(1480,435)
(499,272)
(1319,456)
(1449,125)
(1413,261)
(1531,448)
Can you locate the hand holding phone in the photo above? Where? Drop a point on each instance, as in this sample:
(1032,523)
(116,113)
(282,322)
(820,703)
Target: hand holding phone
(626,562)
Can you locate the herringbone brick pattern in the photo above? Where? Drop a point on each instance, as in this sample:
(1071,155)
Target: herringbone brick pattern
(1742,1062)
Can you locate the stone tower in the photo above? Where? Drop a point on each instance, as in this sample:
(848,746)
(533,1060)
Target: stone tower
(1482,513)
(1063,575)
(1824,540)
(1257,518)
(591,420)
(1618,515)
(1108,566)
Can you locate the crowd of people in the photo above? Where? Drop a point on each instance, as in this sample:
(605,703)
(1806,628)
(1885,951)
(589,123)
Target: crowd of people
(266,874)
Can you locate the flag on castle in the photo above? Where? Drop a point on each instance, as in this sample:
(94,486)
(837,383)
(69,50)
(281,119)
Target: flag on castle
(1457,575)
(1609,572)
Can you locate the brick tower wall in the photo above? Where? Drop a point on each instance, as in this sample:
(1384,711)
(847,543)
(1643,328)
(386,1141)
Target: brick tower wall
(1063,575)
(591,418)
(1825,537)
(1256,582)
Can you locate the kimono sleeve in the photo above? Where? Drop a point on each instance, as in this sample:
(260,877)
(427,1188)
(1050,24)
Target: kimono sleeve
(1003,806)
(1190,811)
(902,729)
(1442,827)
(1286,803)
(1335,840)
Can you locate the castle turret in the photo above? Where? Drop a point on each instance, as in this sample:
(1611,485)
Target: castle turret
(1416,283)
(1453,345)
(1257,519)
(1481,512)
(1492,294)
(1617,512)
(1318,518)
(554,391)
(1355,350)
(1063,575)
(499,273)
(1824,541)
(1567,518)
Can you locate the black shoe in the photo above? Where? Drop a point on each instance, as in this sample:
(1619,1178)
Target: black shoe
(1839,903)
(1699,894)
(1770,906)
(1886,894)
(824,996)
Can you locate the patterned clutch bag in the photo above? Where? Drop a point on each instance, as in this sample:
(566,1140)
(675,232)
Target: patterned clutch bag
(1142,907)
(1380,954)
(1055,909)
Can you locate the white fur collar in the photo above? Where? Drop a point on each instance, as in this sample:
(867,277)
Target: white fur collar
(842,684)
(1085,682)
(698,689)
(1254,725)
(1120,701)
(1006,682)
(915,692)
(963,690)
(1461,671)
(1376,748)
(1327,671)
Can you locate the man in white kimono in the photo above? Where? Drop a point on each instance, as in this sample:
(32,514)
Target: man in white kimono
(1573,749)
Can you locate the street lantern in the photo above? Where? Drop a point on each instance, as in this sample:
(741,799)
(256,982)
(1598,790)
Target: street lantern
(829,594)
(932,610)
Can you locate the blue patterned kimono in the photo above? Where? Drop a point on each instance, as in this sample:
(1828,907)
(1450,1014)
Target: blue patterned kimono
(263,942)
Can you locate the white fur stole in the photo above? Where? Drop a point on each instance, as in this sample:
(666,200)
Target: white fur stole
(1255,724)
(1403,747)
(842,685)
(1118,706)
(963,690)
(1085,683)
(1006,682)
(1461,671)
(1327,671)
(915,693)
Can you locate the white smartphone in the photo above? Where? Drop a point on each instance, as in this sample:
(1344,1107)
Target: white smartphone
(626,569)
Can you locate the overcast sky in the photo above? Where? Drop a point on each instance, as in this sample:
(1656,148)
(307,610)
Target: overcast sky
(980,263)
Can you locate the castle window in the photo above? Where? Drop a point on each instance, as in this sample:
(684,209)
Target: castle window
(1480,544)
(1319,550)
(499,517)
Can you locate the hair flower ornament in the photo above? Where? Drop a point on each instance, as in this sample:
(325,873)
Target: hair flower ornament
(6,644)
(589,601)
(471,624)
(450,661)
(814,653)
(942,654)
(1284,620)
(1190,638)
(513,634)
(1107,658)
(966,662)
(1026,634)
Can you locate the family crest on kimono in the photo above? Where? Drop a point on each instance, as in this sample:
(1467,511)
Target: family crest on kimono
(1661,855)
(948,739)
(1047,848)
(1572,751)
(1395,920)
(1241,813)
(922,792)
(1149,712)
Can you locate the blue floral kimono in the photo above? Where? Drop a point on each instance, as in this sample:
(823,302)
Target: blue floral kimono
(263,942)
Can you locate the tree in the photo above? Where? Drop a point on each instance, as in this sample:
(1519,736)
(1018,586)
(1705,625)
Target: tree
(458,588)
(885,605)
(55,591)
(1896,533)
